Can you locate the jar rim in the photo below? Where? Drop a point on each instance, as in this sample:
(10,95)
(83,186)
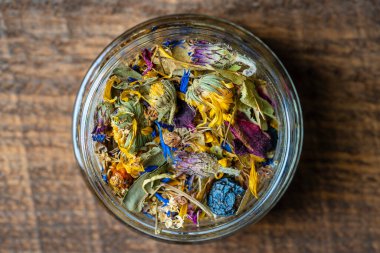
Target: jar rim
(294,116)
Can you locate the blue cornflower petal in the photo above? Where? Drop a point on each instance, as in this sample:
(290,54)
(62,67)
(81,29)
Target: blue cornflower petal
(165,148)
(104,177)
(154,133)
(148,215)
(131,79)
(99,137)
(151,168)
(189,182)
(184,81)
(165,180)
(136,68)
(172,43)
(166,126)
(269,162)
(162,199)
(226,147)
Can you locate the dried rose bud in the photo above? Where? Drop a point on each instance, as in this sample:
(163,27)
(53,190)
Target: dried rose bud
(172,139)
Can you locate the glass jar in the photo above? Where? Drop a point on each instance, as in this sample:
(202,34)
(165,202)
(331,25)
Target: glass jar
(281,89)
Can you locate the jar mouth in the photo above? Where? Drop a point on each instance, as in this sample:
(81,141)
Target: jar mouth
(287,107)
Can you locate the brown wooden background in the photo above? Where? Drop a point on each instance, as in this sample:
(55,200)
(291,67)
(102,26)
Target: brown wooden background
(331,49)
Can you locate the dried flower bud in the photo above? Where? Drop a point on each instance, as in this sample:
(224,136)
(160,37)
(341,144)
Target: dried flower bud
(172,139)
(151,114)
(200,164)
(204,52)
(116,180)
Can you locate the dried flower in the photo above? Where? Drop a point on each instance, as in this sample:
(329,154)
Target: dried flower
(102,120)
(172,43)
(163,97)
(116,180)
(206,53)
(200,164)
(151,114)
(172,128)
(224,196)
(127,124)
(212,98)
(172,139)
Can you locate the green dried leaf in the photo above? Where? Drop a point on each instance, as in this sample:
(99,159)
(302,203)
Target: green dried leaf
(232,76)
(150,185)
(136,195)
(250,97)
(247,110)
(123,72)
(234,68)
(167,66)
(180,53)
(243,203)
(153,157)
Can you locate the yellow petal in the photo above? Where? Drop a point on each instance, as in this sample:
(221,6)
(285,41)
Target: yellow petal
(209,137)
(229,85)
(174,183)
(223,162)
(108,88)
(124,95)
(157,90)
(163,53)
(183,211)
(181,96)
(253,178)
(133,132)
(274,124)
(147,130)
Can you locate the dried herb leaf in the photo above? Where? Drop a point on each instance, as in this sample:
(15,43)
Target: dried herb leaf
(136,195)
(250,97)
(243,203)
(232,76)
(124,72)
(153,157)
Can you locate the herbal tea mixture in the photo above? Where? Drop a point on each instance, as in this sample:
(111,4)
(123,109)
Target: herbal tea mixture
(186,131)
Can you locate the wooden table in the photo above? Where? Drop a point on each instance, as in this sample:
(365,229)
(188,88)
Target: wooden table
(331,49)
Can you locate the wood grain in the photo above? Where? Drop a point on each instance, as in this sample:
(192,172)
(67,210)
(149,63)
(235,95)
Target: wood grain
(331,49)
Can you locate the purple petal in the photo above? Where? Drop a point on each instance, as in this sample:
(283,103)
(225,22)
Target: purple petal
(239,147)
(184,116)
(251,136)
(146,55)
